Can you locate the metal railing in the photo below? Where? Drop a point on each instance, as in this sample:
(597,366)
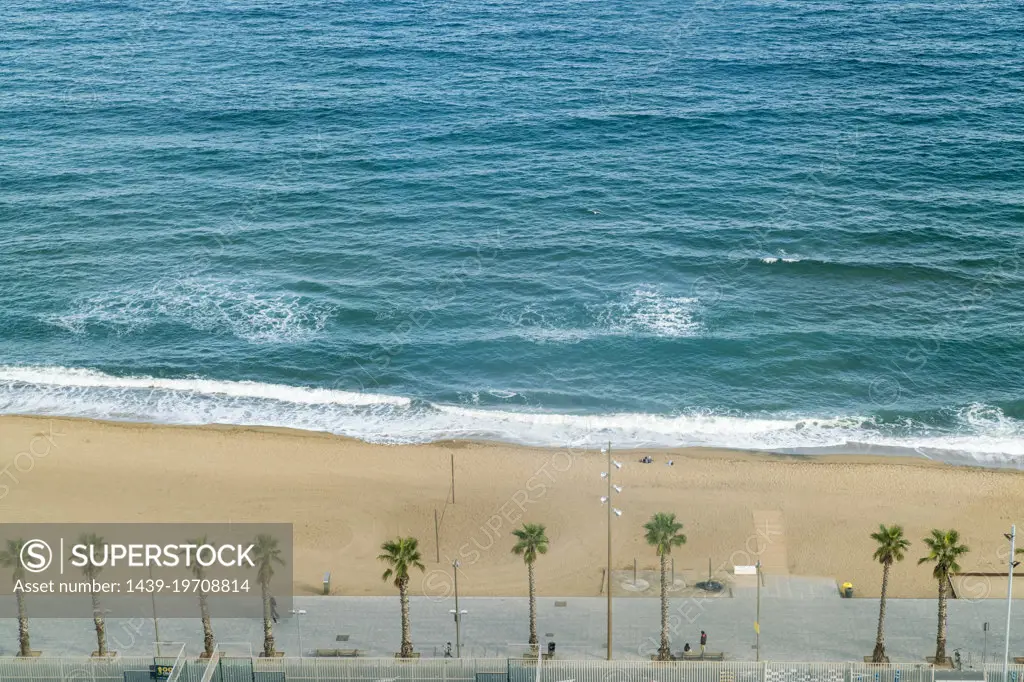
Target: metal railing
(246,669)
(994,673)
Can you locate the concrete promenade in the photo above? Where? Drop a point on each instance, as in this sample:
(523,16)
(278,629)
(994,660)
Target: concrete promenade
(792,628)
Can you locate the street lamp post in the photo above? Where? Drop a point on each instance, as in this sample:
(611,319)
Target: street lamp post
(607,499)
(1012,537)
(457,613)
(156,623)
(757,618)
(299,613)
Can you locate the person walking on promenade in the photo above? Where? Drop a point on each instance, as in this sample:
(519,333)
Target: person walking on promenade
(703,641)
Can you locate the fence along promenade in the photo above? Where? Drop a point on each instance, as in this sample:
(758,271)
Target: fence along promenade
(245,669)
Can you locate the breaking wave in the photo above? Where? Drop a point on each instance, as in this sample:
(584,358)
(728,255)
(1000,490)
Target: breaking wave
(978,433)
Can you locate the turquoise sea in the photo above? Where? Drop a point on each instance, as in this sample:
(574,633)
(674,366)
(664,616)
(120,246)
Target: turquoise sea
(793,226)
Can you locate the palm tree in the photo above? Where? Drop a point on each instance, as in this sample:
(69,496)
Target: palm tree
(663,534)
(891,548)
(944,549)
(402,555)
(267,554)
(204,608)
(90,570)
(11,558)
(531,542)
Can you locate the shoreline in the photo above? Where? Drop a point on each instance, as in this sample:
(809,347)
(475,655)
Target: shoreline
(837,453)
(963,434)
(346,496)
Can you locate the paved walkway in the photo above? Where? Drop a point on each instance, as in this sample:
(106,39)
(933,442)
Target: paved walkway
(797,624)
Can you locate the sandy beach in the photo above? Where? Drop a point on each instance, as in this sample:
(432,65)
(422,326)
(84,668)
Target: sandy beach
(805,516)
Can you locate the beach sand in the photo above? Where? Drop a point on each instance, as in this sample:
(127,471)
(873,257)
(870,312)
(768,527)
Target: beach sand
(805,516)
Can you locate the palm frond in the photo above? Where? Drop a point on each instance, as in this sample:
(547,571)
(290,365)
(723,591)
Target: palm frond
(532,540)
(892,546)
(663,533)
(402,555)
(944,549)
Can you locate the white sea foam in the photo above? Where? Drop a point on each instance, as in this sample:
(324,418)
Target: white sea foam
(72,379)
(648,312)
(982,433)
(783,257)
(643,312)
(503,394)
(231,306)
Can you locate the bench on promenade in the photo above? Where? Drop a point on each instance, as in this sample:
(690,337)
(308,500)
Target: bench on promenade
(528,658)
(339,653)
(698,656)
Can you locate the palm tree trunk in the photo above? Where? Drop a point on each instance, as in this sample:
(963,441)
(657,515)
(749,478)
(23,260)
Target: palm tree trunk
(403,596)
(879,654)
(101,627)
(664,653)
(533,610)
(268,629)
(24,647)
(204,610)
(940,639)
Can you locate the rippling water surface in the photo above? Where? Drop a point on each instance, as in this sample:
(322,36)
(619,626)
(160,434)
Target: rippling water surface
(756,224)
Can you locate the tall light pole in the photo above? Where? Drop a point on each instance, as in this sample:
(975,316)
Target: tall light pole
(299,613)
(757,618)
(1012,537)
(457,613)
(156,623)
(607,499)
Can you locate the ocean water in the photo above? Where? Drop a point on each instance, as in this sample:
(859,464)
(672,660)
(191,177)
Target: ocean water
(750,223)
